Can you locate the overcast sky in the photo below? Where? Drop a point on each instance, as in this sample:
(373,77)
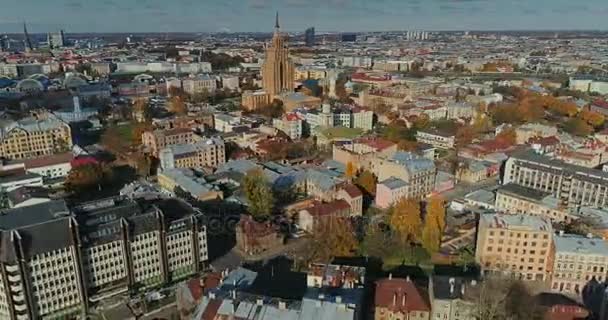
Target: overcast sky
(296,15)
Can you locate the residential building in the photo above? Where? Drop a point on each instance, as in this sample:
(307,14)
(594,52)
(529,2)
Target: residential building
(56,40)
(419,173)
(513,198)
(534,130)
(8,70)
(449,300)
(14,181)
(50,167)
(363,152)
(309,37)
(31,138)
(27,196)
(572,185)
(253,100)
(578,260)
(94,251)
(186,180)
(390,191)
(290,124)
(209,152)
(199,84)
(400,299)
(294,100)
(253,237)
(156,140)
(436,139)
(230,82)
(353,196)
(560,307)
(314,216)
(519,244)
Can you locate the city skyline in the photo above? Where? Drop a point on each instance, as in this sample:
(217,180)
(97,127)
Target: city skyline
(332,15)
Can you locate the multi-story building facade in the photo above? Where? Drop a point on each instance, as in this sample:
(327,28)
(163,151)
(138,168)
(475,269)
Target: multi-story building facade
(56,261)
(389,191)
(206,153)
(31,138)
(436,139)
(578,260)
(449,300)
(8,70)
(518,244)
(157,140)
(418,172)
(572,185)
(363,153)
(290,124)
(513,198)
(199,84)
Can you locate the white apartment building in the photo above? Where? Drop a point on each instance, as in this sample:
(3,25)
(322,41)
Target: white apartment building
(199,84)
(436,139)
(578,260)
(572,185)
(515,199)
(75,257)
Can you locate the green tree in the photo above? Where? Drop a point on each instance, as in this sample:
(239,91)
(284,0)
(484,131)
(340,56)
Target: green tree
(578,127)
(85,176)
(259,194)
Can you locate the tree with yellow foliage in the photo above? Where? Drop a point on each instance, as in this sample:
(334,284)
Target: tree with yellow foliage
(405,219)
(332,237)
(178,106)
(350,170)
(434,224)
(593,118)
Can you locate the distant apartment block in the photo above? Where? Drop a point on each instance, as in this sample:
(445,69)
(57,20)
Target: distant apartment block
(436,139)
(417,172)
(31,138)
(572,185)
(206,153)
(157,140)
(517,244)
(199,84)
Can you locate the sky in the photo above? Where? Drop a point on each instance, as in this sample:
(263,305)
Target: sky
(296,15)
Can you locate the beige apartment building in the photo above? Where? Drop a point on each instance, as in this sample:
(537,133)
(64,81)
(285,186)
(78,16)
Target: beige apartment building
(516,244)
(572,185)
(205,153)
(513,198)
(31,138)
(157,140)
(578,259)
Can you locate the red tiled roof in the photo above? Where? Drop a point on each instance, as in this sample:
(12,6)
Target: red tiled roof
(211,310)
(54,159)
(254,229)
(601,103)
(330,208)
(376,143)
(544,141)
(76,162)
(194,285)
(352,190)
(399,295)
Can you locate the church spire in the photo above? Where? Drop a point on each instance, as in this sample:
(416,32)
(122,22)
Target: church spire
(276,24)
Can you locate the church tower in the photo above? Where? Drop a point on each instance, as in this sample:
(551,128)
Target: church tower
(278,69)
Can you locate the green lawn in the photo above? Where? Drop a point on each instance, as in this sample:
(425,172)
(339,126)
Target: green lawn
(342,132)
(125,131)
